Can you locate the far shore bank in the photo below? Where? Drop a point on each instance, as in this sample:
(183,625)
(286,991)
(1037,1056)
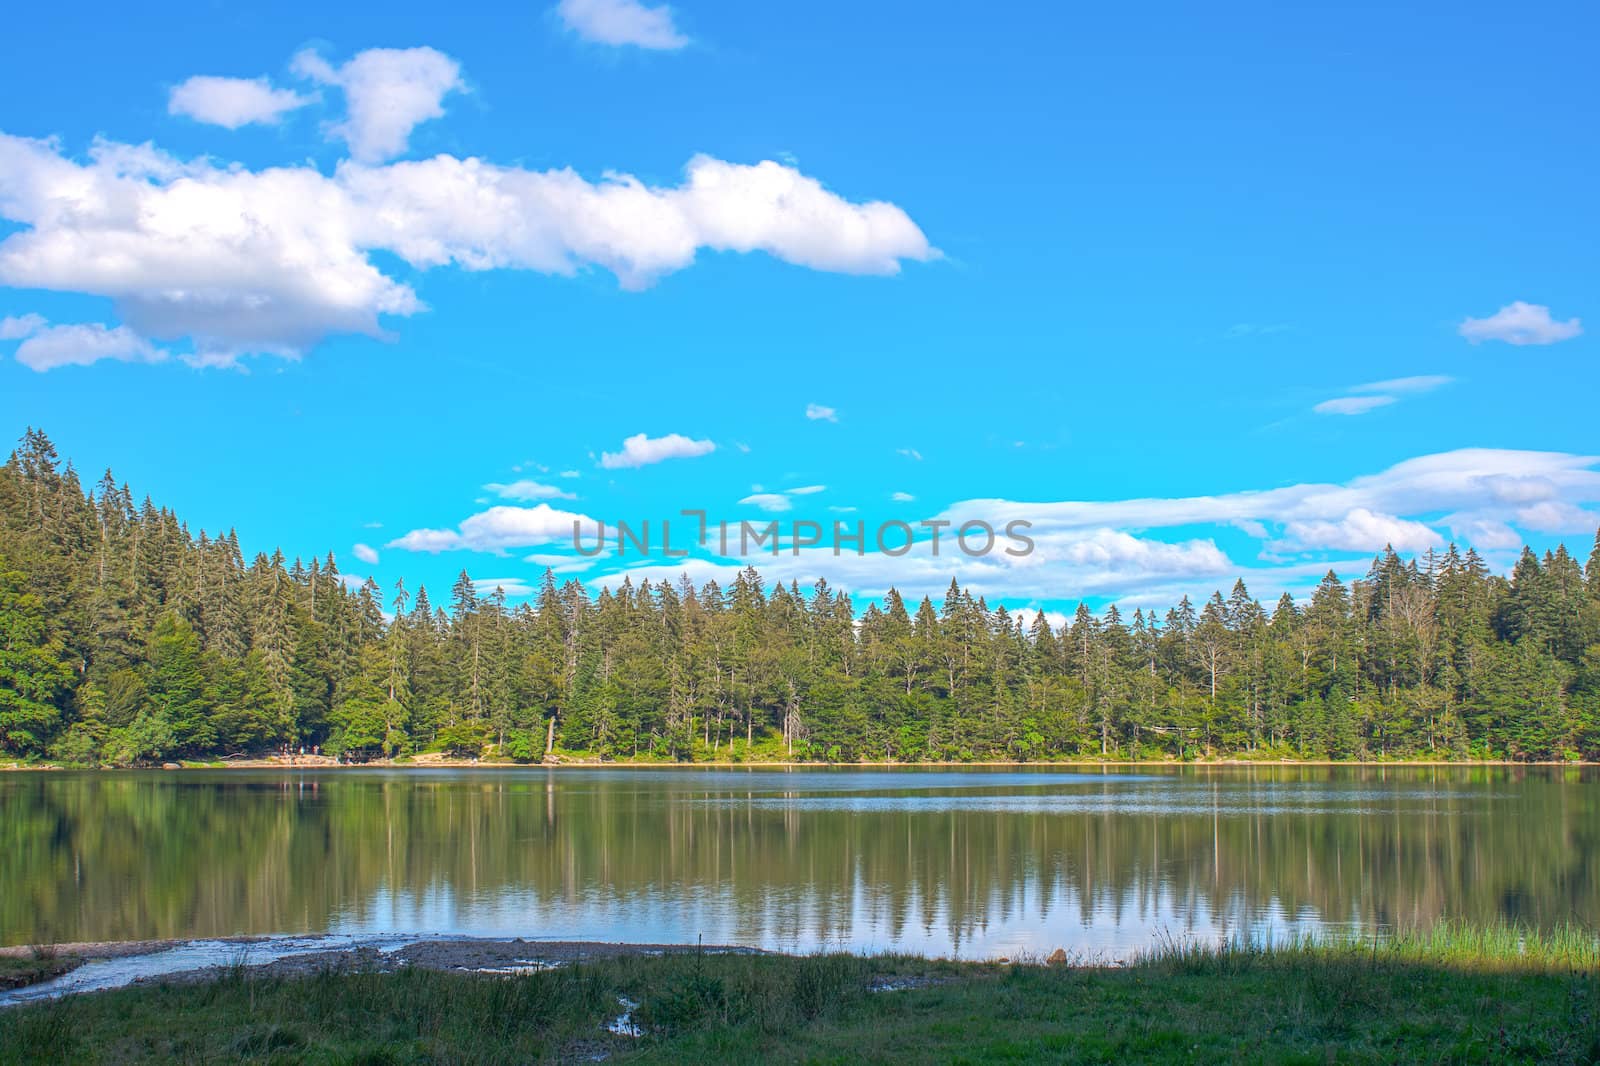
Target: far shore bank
(437,762)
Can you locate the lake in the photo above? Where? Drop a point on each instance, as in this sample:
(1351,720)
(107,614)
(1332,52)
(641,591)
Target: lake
(969,862)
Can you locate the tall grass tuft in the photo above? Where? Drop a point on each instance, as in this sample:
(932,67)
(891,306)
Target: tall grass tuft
(1454,945)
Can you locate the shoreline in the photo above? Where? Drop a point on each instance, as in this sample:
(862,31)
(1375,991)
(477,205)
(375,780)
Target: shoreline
(1453,993)
(312,762)
(83,967)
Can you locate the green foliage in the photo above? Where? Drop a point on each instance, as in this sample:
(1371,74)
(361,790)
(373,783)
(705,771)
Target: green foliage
(33,675)
(125,638)
(1457,996)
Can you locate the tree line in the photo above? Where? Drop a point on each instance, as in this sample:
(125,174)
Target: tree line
(125,638)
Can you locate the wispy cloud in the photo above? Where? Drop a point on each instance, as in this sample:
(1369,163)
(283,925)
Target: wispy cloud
(525,489)
(910,453)
(1419,383)
(365,553)
(1352,405)
(818,413)
(1375,394)
(233,102)
(622,22)
(768,501)
(511,586)
(1520,323)
(1255,329)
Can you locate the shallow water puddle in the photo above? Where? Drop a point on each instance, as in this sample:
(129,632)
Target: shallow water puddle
(623,1024)
(515,968)
(100,974)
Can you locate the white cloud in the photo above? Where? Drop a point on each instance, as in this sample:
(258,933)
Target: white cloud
(1054,619)
(1375,394)
(902,497)
(622,22)
(768,501)
(842,510)
(365,553)
(1418,383)
(1114,548)
(560,564)
(15,327)
(233,102)
(511,586)
(1520,323)
(528,490)
(570,474)
(1360,530)
(80,345)
(388,92)
(1352,405)
(1096,562)
(807,490)
(271,261)
(499,528)
(910,453)
(818,413)
(1467,486)
(641,450)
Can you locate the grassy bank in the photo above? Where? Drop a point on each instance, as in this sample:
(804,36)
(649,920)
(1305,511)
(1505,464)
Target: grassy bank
(18,971)
(1454,996)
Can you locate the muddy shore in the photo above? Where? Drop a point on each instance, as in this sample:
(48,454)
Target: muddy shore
(95,966)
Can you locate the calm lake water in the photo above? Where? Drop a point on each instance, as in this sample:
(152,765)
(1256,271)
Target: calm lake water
(974,863)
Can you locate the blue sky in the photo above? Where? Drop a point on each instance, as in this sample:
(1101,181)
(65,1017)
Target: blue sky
(1117,255)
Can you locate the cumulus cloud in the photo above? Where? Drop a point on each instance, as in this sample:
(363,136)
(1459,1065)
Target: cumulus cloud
(1352,405)
(15,327)
(271,261)
(233,102)
(528,490)
(498,529)
(1360,530)
(902,497)
(80,345)
(641,450)
(365,553)
(388,92)
(622,22)
(818,413)
(1520,323)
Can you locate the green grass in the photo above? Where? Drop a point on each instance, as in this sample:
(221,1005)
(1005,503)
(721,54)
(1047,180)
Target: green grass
(40,964)
(1454,995)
